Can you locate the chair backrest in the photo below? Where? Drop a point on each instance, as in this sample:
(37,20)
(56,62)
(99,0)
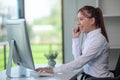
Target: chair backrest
(117,68)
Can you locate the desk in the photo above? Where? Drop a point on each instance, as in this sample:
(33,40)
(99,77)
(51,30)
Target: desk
(16,70)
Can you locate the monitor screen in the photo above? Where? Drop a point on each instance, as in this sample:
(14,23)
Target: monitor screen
(20,50)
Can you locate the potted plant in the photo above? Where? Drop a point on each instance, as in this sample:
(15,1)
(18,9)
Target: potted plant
(51,56)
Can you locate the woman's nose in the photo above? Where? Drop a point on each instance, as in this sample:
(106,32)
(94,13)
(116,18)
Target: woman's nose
(78,22)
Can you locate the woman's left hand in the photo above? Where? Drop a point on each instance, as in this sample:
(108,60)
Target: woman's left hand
(48,70)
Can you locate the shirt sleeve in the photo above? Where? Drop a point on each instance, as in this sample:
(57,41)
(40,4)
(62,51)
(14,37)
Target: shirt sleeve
(88,53)
(76,48)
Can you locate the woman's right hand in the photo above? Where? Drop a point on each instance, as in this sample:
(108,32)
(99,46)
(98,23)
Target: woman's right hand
(48,70)
(76,32)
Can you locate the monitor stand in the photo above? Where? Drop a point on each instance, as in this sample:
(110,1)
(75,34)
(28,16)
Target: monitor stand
(22,70)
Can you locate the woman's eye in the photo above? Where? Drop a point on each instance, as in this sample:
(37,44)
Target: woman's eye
(80,19)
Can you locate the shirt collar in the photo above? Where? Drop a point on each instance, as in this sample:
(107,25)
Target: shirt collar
(94,32)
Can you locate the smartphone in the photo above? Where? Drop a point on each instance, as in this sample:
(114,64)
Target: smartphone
(78,29)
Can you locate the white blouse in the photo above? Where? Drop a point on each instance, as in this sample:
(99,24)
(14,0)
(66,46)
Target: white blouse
(92,56)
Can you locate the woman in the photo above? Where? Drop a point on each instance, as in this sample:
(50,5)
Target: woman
(93,55)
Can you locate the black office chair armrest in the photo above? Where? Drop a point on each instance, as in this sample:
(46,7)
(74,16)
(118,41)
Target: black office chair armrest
(113,71)
(106,78)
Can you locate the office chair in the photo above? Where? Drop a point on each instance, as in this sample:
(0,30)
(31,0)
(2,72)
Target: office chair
(116,73)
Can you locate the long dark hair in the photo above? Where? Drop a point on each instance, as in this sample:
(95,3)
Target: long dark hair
(91,12)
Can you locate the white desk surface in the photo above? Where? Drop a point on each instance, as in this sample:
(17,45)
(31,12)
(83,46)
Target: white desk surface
(17,70)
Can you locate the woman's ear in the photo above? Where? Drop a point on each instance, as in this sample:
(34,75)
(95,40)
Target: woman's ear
(92,21)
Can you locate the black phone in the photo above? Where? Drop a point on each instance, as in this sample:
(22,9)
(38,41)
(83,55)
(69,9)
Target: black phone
(78,29)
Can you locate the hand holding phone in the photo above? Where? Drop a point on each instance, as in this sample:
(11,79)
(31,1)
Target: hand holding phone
(76,32)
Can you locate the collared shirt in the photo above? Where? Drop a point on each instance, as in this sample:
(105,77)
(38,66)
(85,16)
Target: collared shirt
(92,56)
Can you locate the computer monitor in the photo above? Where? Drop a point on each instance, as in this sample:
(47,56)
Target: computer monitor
(20,50)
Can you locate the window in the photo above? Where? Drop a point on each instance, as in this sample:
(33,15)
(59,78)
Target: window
(44,24)
(8,10)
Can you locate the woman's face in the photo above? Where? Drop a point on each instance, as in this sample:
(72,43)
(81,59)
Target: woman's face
(84,23)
